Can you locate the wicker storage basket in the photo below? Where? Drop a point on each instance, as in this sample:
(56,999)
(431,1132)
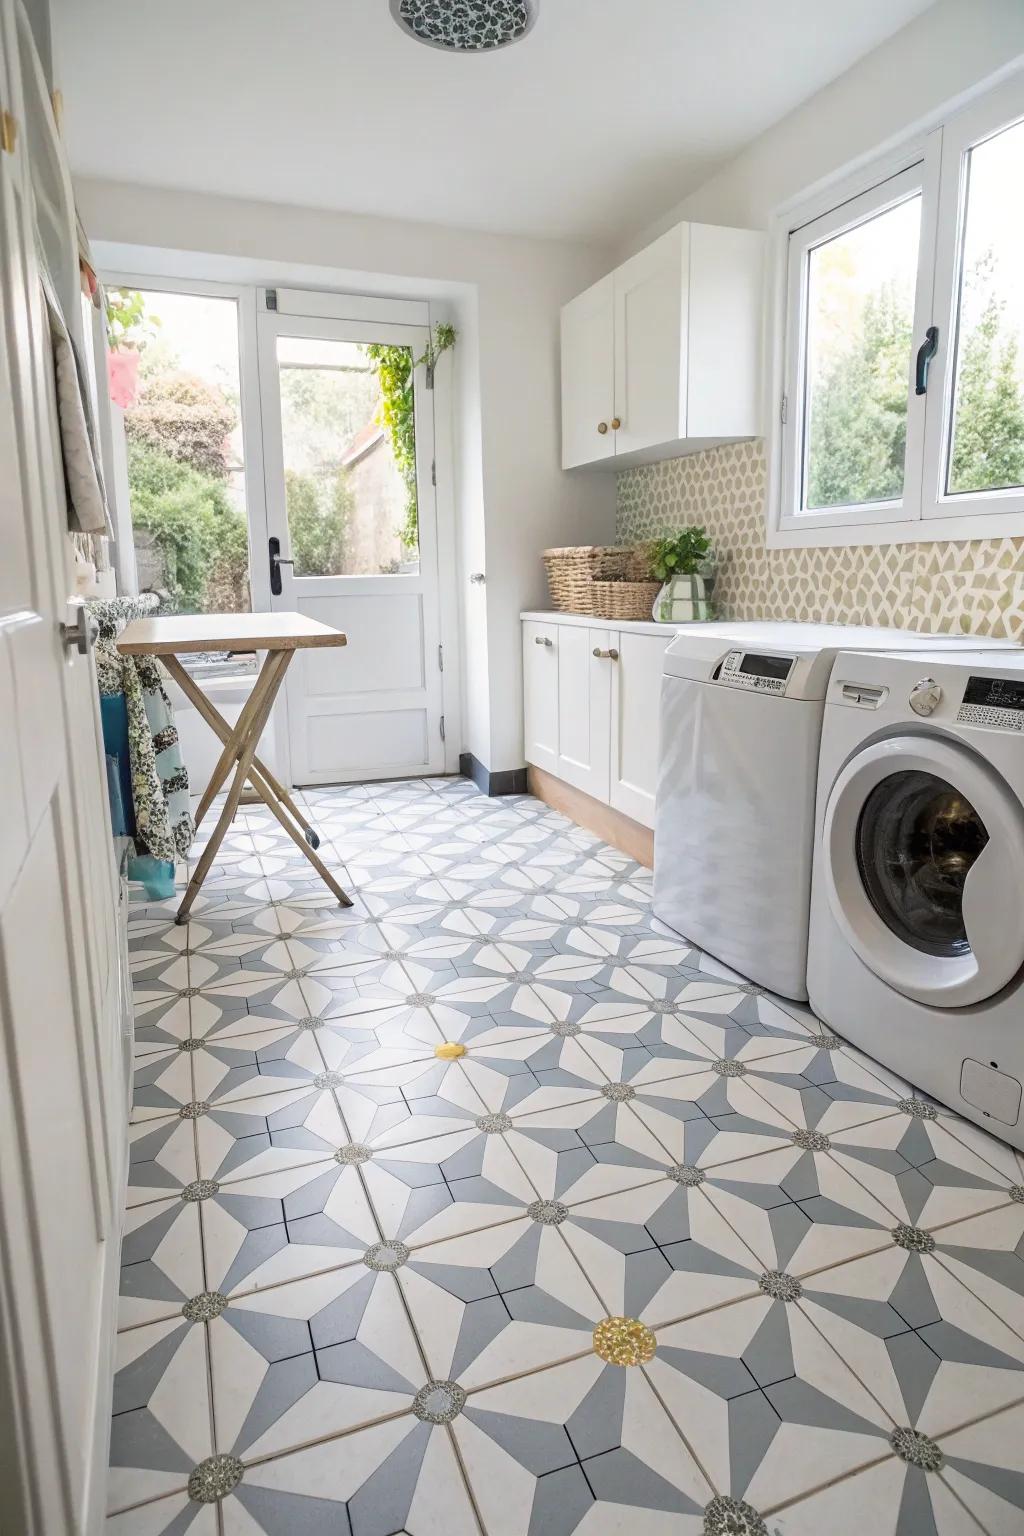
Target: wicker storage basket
(571,574)
(624,599)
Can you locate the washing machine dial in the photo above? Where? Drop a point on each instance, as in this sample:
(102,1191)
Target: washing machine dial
(925,696)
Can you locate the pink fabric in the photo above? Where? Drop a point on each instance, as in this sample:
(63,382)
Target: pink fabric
(123,376)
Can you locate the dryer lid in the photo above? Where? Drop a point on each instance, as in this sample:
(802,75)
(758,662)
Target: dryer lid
(923,865)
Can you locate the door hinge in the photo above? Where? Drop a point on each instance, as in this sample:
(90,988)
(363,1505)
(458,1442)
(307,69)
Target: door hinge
(442,727)
(440,658)
(433,471)
(271,298)
(784,409)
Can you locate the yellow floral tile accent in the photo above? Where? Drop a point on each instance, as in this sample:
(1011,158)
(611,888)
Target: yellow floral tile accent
(624,1341)
(451,1050)
(971,586)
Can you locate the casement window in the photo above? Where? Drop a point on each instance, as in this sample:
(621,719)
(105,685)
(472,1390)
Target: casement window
(899,346)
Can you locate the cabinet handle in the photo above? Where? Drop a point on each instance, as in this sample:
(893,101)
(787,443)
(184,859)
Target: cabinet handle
(616,423)
(541,640)
(602,427)
(611,655)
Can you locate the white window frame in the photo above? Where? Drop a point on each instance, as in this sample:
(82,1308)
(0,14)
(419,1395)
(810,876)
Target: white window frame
(935,164)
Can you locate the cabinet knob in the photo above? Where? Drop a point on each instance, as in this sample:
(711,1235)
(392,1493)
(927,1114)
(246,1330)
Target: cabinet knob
(541,640)
(602,427)
(611,655)
(616,423)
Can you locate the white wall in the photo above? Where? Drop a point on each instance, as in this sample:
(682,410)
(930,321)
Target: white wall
(512,497)
(942,54)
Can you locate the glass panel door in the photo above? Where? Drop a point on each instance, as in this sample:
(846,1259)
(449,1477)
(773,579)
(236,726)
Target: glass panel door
(348,448)
(175,371)
(349,439)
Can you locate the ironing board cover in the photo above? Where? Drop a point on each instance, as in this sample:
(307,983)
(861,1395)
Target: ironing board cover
(160,793)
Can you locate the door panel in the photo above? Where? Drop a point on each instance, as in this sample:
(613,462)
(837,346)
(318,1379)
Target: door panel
(352,504)
(584,708)
(394,738)
(385,644)
(62,1124)
(588,369)
(636,708)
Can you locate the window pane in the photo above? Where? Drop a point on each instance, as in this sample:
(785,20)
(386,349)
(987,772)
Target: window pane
(987,450)
(349,457)
(186,473)
(860,317)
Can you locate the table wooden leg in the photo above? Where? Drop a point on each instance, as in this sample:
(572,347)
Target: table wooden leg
(264,792)
(229,754)
(246,734)
(215,720)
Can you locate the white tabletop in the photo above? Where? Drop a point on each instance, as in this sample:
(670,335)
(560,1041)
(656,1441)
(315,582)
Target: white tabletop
(177,634)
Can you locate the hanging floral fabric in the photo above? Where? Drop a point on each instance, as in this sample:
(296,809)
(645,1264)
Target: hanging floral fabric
(159,779)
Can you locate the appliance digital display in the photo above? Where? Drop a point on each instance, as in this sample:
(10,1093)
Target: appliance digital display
(768,666)
(995,692)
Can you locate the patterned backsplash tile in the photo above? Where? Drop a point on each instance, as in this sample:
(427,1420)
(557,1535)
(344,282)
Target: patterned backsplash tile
(972,586)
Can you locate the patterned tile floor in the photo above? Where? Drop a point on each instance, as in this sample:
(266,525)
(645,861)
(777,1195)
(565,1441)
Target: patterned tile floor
(491,1206)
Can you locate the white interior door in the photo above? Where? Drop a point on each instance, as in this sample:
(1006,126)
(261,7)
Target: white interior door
(62,1088)
(352,507)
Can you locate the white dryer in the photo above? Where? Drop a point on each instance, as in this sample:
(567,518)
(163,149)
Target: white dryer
(917,913)
(741,711)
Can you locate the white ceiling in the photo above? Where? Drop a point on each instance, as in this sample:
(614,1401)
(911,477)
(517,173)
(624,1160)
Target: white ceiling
(600,120)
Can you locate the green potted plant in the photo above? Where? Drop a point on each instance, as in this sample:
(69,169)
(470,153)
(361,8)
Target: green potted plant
(682,562)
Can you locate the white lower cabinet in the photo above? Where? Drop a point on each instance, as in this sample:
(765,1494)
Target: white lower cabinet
(635,718)
(540,694)
(592,710)
(584,707)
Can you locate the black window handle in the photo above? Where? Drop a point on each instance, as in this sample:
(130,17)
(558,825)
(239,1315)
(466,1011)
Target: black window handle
(925,352)
(274,545)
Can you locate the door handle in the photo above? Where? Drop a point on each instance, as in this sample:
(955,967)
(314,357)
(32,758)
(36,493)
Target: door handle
(478,578)
(276,562)
(81,635)
(610,655)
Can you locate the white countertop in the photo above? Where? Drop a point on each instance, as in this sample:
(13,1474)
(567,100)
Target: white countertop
(591,621)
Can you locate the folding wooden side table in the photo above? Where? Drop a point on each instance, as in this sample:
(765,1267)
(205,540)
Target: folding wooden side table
(280,635)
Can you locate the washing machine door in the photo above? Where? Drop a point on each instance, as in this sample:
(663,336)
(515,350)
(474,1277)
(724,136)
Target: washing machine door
(923,863)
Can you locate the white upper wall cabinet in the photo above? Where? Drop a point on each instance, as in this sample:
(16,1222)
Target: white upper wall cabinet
(661,357)
(588,349)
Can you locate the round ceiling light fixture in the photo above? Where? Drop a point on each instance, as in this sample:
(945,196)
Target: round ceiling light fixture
(465,26)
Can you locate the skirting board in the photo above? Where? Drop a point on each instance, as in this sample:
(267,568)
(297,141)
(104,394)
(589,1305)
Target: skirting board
(621,831)
(509,781)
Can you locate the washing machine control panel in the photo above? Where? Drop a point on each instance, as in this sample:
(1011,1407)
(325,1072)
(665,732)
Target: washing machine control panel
(993,701)
(750,669)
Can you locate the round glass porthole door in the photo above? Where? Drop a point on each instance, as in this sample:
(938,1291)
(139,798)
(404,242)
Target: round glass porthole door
(918,838)
(922,863)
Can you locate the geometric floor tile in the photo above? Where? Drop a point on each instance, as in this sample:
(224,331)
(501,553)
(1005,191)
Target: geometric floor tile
(491,1206)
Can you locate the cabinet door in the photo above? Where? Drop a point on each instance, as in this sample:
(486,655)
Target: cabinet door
(540,694)
(584,708)
(588,375)
(650,343)
(635,721)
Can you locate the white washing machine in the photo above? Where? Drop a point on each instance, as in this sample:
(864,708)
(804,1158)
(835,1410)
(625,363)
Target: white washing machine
(917,914)
(741,712)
